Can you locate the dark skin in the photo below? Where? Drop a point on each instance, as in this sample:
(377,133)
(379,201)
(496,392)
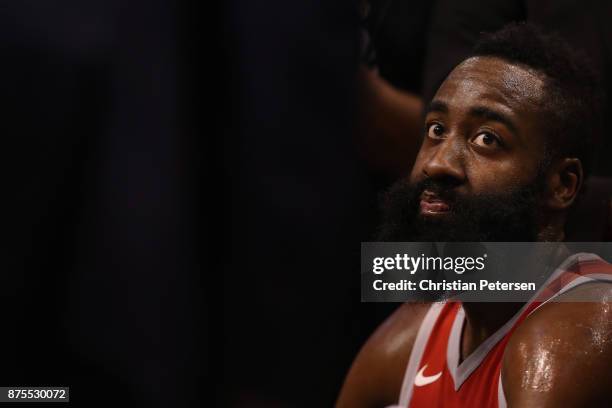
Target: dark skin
(485,132)
(389,125)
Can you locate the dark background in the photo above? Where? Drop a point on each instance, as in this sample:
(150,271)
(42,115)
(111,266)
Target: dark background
(186,195)
(101,288)
(185,202)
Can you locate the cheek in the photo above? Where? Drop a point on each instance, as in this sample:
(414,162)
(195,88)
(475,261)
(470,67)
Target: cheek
(499,176)
(417,169)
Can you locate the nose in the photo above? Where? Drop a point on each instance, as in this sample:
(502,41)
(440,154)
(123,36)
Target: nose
(446,161)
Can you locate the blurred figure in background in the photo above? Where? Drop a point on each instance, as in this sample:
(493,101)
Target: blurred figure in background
(394,39)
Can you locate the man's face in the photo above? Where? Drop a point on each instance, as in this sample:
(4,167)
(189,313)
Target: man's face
(481,130)
(480,163)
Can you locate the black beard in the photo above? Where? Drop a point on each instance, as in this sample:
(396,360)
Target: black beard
(509,217)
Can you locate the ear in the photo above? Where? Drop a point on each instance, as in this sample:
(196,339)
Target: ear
(565,178)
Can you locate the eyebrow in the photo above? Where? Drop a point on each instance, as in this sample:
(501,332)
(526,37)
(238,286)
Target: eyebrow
(489,114)
(437,106)
(478,111)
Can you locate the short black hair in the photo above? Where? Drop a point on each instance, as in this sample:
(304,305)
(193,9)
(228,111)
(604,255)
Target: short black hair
(575,95)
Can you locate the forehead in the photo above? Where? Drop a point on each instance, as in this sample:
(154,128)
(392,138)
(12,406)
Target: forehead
(494,81)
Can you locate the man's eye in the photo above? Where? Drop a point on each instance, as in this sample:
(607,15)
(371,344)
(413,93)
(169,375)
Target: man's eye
(486,139)
(435,130)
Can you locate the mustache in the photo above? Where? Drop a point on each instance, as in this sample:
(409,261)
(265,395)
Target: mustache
(409,193)
(483,216)
(443,189)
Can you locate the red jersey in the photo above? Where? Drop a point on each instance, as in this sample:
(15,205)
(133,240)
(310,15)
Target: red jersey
(435,378)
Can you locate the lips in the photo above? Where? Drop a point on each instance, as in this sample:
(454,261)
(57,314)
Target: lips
(432,205)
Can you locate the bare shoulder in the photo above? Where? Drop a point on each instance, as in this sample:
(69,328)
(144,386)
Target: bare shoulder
(561,355)
(375,377)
